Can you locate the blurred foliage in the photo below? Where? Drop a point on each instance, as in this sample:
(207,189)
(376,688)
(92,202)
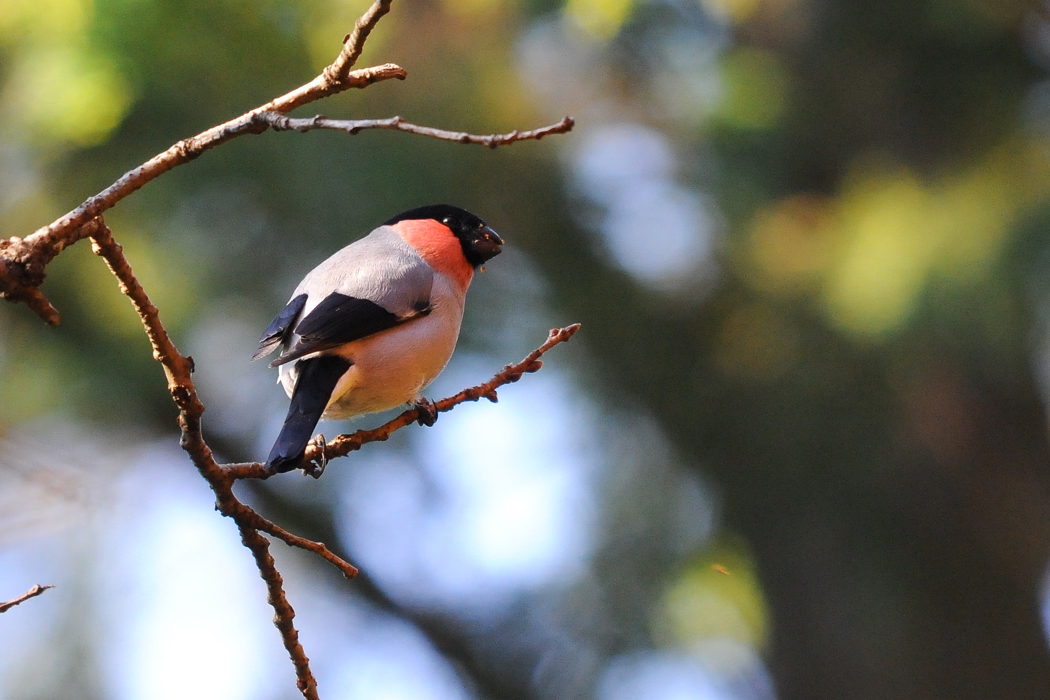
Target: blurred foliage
(717,597)
(859,366)
(60,88)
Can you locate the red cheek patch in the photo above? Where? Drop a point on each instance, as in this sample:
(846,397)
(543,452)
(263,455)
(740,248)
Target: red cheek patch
(438,247)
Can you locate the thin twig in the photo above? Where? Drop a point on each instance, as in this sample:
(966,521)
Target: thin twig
(22,267)
(249,517)
(355,40)
(282,609)
(31,593)
(279,122)
(345,444)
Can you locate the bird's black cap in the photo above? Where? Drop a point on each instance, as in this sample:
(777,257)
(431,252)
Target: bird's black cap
(480,243)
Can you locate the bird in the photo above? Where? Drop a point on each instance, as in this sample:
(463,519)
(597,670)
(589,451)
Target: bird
(373,325)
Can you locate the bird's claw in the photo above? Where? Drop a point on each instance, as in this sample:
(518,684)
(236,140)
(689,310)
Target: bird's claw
(316,470)
(426,410)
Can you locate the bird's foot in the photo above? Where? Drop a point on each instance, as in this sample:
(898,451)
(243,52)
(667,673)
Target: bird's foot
(316,470)
(427,411)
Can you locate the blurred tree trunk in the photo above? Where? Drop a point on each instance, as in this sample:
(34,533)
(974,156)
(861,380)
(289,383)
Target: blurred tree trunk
(897,498)
(901,520)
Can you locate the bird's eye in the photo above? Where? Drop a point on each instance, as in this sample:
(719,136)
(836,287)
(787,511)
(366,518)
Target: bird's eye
(447,220)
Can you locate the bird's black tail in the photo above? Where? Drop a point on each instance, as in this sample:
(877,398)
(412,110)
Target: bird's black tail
(317,379)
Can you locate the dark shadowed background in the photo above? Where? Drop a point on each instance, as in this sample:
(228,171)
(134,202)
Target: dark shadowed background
(798,451)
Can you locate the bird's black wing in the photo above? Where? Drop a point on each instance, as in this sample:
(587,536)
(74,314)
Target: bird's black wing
(313,389)
(341,319)
(279,329)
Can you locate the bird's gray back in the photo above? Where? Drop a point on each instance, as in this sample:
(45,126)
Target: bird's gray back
(380,267)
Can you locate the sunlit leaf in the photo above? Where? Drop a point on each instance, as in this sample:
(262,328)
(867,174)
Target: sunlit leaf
(57,93)
(601,19)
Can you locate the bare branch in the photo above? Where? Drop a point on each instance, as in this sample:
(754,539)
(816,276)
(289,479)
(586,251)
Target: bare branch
(31,593)
(178,369)
(250,517)
(355,40)
(283,612)
(19,291)
(279,122)
(23,263)
(345,444)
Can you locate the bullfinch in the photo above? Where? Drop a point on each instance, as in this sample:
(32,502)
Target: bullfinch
(370,327)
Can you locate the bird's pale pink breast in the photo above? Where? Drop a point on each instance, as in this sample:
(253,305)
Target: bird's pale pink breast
(439,248)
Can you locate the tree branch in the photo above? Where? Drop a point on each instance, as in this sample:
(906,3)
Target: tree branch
(178,369)
(22,265)
(283,614)
(251,517)
(31,593)
(279,122)
(191,148)
(345,444)
(354,42)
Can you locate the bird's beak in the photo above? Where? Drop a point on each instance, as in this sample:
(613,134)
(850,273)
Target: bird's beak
(487,245)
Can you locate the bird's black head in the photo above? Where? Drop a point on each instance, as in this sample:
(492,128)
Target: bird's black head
(480,243)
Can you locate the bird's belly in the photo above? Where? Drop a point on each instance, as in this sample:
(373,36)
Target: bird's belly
(392,368)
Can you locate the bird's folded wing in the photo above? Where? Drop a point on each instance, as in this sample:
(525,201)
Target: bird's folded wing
(369,286)
(341,319)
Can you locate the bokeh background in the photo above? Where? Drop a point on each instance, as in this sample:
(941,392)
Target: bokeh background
(798,451)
